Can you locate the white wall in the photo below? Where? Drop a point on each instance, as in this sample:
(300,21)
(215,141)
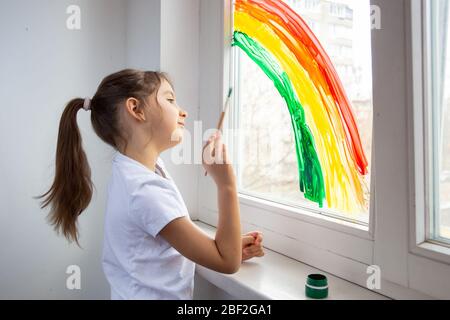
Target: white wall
(44,65)
(211,84)
(180,36)
(164,35)
(143,41)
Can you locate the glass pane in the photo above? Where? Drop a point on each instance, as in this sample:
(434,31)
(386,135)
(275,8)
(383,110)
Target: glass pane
(268,164)
(440,79)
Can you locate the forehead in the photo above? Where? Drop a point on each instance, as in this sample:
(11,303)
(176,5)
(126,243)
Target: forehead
(165,87)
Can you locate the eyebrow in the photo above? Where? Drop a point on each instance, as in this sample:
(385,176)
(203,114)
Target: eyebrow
(169,91)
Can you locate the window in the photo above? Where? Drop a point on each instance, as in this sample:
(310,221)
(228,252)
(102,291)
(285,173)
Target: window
(307,5)
(267,164)
(411,267)
(340,52)
(340,9)
(340,31)
(439,121)
(313,25)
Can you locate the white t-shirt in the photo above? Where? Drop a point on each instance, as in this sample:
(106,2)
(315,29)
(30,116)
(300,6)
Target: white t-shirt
(137,262)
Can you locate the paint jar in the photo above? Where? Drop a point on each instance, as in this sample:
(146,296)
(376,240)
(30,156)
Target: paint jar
(316,286)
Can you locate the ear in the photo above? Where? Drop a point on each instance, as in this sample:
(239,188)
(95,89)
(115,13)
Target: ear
(132,107)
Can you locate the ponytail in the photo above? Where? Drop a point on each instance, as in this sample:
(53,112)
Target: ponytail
(71,191)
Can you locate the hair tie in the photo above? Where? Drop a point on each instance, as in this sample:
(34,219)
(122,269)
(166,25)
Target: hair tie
(87,104)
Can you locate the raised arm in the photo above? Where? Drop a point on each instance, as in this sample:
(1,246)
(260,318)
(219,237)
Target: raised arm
(224,253)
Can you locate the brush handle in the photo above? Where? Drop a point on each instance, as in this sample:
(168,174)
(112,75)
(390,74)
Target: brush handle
(222,117)
(219,128)
(220,123)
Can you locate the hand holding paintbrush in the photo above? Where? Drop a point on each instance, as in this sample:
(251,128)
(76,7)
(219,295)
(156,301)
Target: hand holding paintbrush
(222,115)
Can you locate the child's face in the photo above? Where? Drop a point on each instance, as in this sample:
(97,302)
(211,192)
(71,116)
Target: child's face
(171,126)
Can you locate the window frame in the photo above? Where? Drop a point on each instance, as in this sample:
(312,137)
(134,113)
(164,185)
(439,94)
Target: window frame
(307,212)
(407,270)
(421,216)
(341,243)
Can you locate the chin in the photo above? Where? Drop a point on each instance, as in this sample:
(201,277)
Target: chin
(177,136)
(179,140)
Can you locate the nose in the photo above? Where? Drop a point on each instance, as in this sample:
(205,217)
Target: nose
(183,113)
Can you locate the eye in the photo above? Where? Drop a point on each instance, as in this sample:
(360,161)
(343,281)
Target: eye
(171,100)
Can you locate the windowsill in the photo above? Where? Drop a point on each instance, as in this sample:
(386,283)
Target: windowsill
(439,248)
(277,277)
(428,249)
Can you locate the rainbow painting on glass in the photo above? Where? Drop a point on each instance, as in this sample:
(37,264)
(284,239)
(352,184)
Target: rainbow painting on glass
(330,156)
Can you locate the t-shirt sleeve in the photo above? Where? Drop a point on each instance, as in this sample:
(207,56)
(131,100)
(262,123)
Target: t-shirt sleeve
(153,205)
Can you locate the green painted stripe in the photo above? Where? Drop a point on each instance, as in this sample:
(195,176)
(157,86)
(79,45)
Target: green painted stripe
(309,168)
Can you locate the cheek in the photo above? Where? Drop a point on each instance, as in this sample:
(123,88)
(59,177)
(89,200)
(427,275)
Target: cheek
(171,126)
(171,117)
(165,117)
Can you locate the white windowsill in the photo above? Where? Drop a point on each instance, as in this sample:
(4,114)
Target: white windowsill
(277,277)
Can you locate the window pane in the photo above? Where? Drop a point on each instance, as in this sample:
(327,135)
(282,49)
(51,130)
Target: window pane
(268,164)
(440,129)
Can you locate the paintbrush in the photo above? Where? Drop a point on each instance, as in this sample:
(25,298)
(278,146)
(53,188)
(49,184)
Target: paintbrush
(222,115)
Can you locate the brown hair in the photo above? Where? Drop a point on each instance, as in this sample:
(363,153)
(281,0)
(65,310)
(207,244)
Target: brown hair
(72,188)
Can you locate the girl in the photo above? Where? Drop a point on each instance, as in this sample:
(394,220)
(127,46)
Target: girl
(150,244)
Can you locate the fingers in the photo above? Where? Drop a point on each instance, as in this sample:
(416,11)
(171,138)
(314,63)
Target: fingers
(208,157)
(214,150)
(209,143)
(253,247)
(253,233)
(254,251)
(210,139)
(251,252)
(225,155)
(208,150)
(257,235)
(259,238)
(218,147)
(247,240)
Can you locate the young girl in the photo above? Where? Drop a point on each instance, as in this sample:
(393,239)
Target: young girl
(150,243)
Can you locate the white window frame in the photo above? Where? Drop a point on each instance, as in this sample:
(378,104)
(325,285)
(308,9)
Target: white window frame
(420,242)
(341,248)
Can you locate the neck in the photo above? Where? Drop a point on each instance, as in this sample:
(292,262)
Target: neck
(145,155)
